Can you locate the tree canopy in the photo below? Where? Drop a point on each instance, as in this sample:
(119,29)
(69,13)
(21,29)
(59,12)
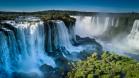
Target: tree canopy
(106,66)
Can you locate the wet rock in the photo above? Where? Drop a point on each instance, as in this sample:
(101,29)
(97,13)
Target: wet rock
(25,75)
(50,72)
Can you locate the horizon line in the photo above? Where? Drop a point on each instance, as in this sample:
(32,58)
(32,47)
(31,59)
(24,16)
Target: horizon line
(68,10)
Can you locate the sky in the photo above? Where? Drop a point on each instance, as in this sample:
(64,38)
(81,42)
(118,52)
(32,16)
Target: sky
(79,5)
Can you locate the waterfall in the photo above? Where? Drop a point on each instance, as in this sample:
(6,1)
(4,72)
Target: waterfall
(133,37)
(127,45)
(110,31)
(22,47)
(28,43)
(63,39)
(4,55)
(59,37)
(90,26)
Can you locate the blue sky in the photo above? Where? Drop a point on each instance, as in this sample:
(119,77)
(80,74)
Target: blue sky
(80,5)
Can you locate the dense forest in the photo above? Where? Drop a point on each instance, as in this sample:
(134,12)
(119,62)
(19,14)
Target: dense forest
(105,66)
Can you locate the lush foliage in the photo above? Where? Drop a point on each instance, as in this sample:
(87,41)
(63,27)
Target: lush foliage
(59,16)
(49,15)
(64,15)
(105,66)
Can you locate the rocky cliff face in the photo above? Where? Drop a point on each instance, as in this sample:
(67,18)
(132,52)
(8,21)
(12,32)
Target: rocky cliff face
(29,44)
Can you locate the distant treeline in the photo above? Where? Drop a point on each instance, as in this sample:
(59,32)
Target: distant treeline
(45,16)
(12,15)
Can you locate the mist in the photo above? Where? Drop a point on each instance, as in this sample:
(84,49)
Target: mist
(98,27)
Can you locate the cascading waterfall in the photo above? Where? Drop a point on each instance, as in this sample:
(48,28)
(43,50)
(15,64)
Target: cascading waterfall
(91,26)
(133,37)
(128,44)
(101,26)
(29,43)
(22,47)
(95,26)
(4,55)
(59,41)
(59,37)
(63,39)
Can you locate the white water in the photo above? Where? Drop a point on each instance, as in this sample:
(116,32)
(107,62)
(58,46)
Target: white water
(62,38)
(95,26)
(130,43)
(133,37)
(90,26)
(33,38)
(23,48)
(23,51)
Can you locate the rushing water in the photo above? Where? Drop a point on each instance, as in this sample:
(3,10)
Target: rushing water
(22,48)
(133,37)
(61,37)
(27,42)
(93,25)
(96,26)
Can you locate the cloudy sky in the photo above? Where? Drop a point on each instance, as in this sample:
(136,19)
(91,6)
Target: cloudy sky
(80,5)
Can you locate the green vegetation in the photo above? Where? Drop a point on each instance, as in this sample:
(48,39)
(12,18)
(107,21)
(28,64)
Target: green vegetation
(106,66)
(64,15)
(69,21)
(45,16)
(126,20)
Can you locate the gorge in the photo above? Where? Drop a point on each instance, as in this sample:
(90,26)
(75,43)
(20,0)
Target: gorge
(114,32)
(35,48)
